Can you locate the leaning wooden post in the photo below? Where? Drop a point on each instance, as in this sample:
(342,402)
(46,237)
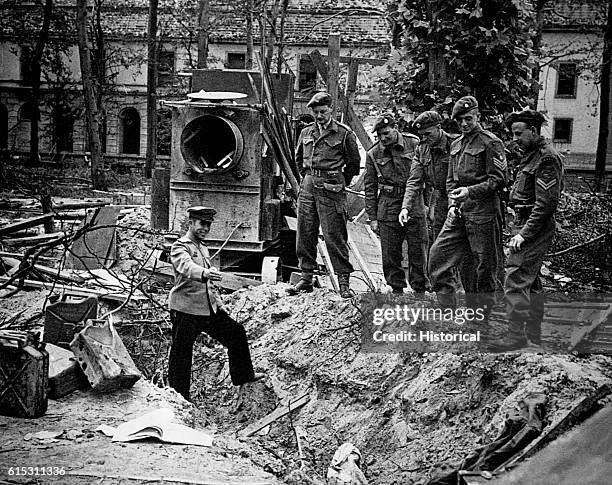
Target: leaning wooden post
(333,52)
(351,85)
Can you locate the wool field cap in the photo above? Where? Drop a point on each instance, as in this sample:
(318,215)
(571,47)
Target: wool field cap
(427,119)
(383,121)
(528,116)
(463,105)
(320,99)
(206,214)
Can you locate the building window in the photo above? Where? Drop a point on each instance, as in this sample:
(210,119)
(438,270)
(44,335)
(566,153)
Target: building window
(28,112)
(3,126)
(562,130)
(63,131)
(165,68)
(25,66)
(307,74)
(236,60)
(129,131)
(567,75)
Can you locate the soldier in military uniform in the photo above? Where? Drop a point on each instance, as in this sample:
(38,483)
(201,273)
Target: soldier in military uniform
(476,171)
(387,168)
(428,171)
(534,198)
(328,158)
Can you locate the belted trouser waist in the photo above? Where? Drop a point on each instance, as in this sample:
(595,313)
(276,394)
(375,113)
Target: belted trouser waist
(317,172)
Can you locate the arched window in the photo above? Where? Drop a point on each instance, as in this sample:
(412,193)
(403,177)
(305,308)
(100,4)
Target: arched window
(3,126)
(129,131)
(28,112)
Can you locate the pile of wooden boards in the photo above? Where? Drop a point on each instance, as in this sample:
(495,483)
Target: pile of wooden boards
(88,260)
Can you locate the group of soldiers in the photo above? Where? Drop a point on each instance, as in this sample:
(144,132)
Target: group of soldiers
(453,182)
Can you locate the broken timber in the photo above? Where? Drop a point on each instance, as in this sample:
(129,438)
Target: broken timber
(275,415)
(25,224)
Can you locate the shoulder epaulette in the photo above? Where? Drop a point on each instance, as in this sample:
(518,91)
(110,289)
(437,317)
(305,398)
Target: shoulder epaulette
(490,135)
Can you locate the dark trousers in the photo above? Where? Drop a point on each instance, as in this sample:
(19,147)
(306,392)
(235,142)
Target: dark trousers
(471,236)
(440,210)
(320,206)
(221,327)
(392,236)
(523,288)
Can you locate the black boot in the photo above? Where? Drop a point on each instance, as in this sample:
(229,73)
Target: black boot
(534,332)
(303,286)
(343,283)
(447,300)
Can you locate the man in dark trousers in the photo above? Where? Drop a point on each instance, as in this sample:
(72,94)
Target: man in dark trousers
(534,198)
(476,173)
(327,157)
(387,168)
(195,307)
(428,171)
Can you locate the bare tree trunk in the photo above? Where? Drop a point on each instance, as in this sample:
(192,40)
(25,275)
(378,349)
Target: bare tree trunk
(151,89)
(249,34)
(537,48)
(272,33)
(281,35)
(98,175)
(35,68)
(604,106)
(203,27)
(99,71)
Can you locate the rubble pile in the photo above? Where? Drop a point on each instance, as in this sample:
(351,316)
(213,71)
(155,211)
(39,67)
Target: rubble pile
(582,218)
(136,239)
(411,415)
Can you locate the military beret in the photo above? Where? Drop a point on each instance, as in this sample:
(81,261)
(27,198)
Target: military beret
(383,121)
(463,105)
(206,214)
(527,116)
(320,99)
(427,119)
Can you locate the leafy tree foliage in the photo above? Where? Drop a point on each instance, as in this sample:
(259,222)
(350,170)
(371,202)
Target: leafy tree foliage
(450,48)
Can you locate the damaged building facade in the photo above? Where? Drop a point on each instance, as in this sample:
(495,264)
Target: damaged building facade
(572,35)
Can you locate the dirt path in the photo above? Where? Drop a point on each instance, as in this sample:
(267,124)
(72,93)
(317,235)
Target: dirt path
(88,456)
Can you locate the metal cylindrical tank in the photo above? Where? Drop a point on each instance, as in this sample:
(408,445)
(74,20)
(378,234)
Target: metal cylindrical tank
(217,161)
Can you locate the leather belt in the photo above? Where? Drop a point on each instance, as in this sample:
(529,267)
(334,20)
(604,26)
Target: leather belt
(322,172)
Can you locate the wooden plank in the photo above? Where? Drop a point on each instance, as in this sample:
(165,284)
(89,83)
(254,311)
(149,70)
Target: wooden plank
(362,264)
(351,85)
(579,411)
(91,250)
(275,415)
(103,294)
(33,240)
(25,224)
(352,119)
(322,247)
(332,81)
(583,333)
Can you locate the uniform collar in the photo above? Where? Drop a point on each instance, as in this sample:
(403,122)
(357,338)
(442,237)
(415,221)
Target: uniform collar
(398,143)
(443,142)
(186,239)
(472,134)
(330,126)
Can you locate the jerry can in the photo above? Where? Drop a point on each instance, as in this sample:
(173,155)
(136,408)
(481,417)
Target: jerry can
(24,375)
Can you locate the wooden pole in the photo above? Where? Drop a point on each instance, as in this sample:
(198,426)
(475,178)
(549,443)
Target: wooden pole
(333,52)
(160,198)
(351,85)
